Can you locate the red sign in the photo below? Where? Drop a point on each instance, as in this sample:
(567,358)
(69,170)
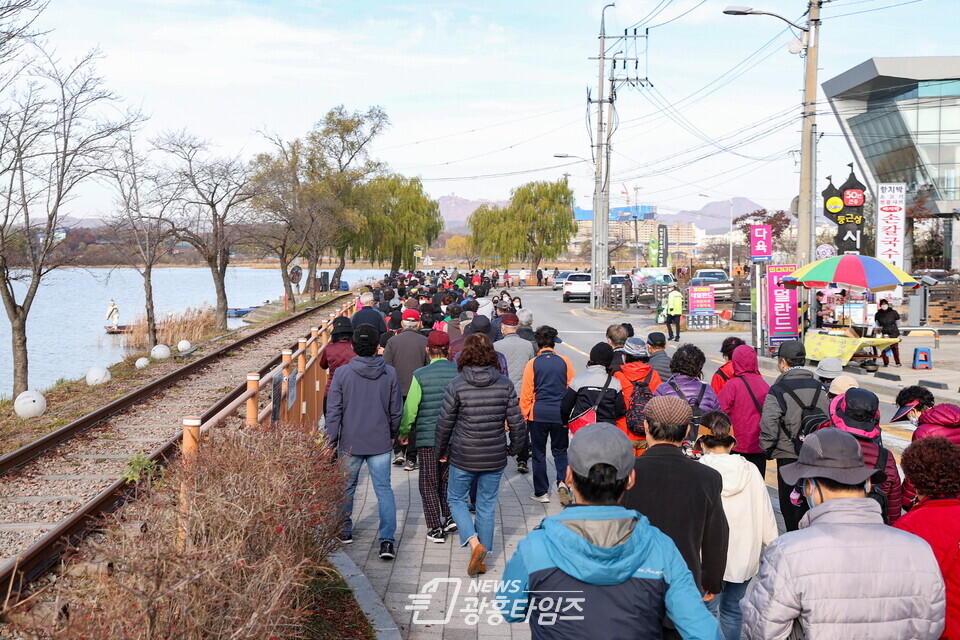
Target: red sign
(782,319)
(853,198)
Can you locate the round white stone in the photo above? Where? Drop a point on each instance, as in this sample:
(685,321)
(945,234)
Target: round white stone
(98,375)
(142,363)
(184,345)
(160,352)
(30,404)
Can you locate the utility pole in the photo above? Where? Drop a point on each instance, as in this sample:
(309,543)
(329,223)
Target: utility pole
(805,214)
(596,252)
(730,261)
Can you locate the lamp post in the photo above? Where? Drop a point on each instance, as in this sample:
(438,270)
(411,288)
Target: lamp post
(805,216)
(729,234)
(595,253)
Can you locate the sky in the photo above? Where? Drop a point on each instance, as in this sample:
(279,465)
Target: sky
(477,90)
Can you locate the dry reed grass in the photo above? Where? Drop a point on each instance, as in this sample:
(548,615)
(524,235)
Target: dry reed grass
(193,324)
(262,512)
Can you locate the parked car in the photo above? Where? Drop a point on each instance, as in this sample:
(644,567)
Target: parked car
(722,290)
(577,285)
(558,281)
(616,284)
(717,275)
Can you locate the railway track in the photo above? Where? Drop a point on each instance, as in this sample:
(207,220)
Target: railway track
(55,488)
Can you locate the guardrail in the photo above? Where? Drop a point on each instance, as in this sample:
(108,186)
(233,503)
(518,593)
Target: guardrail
(933,330)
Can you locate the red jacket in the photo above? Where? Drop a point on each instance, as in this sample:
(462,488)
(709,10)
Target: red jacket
(628,374)
(721,377)
(937,520)
(335,355)
(736,402)
(942,420)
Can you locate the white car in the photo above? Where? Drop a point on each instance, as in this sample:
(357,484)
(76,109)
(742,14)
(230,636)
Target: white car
(718,275)
(577,285)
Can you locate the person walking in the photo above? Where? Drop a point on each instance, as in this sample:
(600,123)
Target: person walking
(539,277)
(525,330)
(638,381)
(367,314)
(681,497)
(932,465)
(725,372)
(749,513)
(686,369)
(421,408)
(338,352)
(595,388)
(617,335)
(742,398)
(659,358)
(470,436)
(828,370)
(363,420)
(795,393)
(844,574)
(545,381)
(407,352)
(627,572)
(517,352)
(522,278)
(887,318)
(674,311)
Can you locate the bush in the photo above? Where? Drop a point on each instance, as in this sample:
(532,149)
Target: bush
(262,511)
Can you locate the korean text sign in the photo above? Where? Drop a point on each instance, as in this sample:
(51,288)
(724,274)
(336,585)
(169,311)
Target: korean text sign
(891,208)
(701,301)
(761,242)
(782,322)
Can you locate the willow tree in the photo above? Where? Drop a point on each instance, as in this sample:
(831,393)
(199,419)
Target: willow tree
(537,225)
(399,216)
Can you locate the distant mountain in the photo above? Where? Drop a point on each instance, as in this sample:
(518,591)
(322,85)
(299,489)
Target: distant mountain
(714,217)
(455,210)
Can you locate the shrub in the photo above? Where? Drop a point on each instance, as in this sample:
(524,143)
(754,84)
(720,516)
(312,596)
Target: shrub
(262,511)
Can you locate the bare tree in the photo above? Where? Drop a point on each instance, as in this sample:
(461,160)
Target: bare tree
(141,229)
(215,192)
(54,136)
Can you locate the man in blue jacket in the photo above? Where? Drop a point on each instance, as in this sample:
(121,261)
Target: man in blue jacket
(598,569)
(363,419)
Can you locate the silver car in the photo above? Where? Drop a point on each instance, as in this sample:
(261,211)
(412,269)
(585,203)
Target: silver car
(558,281)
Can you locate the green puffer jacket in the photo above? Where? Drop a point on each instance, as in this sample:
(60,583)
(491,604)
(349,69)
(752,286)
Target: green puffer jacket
(425,399)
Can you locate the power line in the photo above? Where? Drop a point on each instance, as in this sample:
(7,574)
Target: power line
(501,175)
(889,6)
(690,10)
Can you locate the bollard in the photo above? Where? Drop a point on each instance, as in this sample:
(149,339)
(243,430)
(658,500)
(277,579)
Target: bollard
(315,345)
(253,406)
(190,448)
(286,303)
(191,439)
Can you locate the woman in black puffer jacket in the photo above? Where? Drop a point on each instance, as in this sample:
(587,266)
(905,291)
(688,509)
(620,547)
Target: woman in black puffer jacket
(471,437)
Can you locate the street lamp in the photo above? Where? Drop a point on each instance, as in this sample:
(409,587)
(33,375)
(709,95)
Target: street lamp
(730,234)
(805,215)
(596,253)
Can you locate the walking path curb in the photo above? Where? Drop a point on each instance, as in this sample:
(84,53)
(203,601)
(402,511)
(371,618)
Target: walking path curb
(383,623)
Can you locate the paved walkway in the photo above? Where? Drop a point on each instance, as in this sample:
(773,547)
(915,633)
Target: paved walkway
(419,561)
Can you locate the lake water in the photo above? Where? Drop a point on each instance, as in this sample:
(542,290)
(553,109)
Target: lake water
(65,335)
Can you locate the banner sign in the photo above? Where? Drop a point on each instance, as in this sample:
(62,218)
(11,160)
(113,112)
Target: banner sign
(844,206)
(782,316)
(891,219)
(702,301)
(761,242)
(663,245)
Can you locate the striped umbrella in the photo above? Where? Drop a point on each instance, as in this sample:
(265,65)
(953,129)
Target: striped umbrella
(851,271)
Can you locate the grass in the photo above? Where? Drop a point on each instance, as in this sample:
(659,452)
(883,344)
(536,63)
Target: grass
(333,612)
(193,324)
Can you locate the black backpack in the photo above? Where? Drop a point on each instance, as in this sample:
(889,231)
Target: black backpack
(639,398)
(812,418)
(876,492)
(694,432)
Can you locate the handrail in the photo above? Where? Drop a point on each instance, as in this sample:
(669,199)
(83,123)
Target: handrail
(936,333)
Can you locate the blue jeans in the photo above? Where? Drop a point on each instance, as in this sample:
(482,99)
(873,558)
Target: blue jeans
(488,489)
(559,440)
(379,467)
(726,607)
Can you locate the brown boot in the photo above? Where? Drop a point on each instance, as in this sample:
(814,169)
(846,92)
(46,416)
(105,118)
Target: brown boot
(477,560)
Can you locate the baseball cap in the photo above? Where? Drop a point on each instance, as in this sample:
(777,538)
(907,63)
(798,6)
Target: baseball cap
(438,339)
(602,353)
(411,314)
(635,348)
(657,339)
(366,335)
(504,304)
(511,320)
(903,410)
(829,368)
(600,443)
(792,349)
(841,384)
(394,303)
(341,325)
(828,453)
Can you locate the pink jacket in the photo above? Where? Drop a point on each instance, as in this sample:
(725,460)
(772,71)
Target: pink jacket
(736,402)
(942,420)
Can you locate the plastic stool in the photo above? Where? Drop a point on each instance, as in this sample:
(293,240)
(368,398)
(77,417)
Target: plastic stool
(922,358)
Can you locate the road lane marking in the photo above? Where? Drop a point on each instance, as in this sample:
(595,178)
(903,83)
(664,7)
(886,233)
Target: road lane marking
(570,346)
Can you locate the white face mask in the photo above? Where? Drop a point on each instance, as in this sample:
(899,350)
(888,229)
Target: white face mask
(884,307)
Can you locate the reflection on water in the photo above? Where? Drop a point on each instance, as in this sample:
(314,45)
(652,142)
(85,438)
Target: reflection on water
(65,335)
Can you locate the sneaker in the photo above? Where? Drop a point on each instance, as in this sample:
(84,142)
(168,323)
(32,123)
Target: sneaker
(437,535)
(450,525)
(387,550)
(346,538)
(564,492)
(399,459)
(411,466)
(545,498)
(522,467)
(899,365)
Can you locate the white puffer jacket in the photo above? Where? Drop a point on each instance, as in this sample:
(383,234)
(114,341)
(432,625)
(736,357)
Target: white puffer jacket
(749,512)
(846,575)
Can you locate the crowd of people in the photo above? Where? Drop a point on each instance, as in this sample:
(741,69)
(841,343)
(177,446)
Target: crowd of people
(670,531)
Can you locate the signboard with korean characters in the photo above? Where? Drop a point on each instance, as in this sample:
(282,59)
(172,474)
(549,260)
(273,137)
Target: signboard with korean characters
(891,221)
(844,206)
(761,242)
(702,301)
(782,320)
(663,244)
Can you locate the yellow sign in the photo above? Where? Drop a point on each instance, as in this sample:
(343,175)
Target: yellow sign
(834,204)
